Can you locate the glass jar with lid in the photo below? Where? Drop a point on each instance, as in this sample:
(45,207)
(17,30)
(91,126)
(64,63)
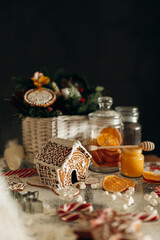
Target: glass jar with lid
(132,128)
(105,133)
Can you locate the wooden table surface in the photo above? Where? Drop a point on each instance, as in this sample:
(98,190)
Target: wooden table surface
(151,158)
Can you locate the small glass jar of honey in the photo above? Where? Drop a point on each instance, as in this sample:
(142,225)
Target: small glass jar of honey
(132,162)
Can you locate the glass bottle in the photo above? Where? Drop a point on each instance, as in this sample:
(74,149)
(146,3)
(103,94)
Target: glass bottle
(132,129)
(105,129)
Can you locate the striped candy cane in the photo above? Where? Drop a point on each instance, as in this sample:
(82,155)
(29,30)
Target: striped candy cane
(147,217)
(25,172)
(71,212)
(157,190)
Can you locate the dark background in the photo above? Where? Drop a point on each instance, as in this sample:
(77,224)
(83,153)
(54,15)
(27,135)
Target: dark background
(112,43)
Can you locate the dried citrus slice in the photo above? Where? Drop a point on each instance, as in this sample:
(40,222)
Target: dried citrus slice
(129,182)
(114,132)
(150,181)
(111,154)
(110,158)
(96,158)
(113,184)
(93,141)
(151,176)
(107,139)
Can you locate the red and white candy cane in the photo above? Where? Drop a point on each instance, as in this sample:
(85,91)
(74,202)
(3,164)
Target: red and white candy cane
(146,217)
(157,190)
(71,211)
(25,172)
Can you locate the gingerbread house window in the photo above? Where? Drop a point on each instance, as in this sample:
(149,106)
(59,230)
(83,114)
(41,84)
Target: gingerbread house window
(62,162)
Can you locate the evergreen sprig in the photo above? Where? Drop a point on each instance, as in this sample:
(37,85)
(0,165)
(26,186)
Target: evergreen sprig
(75,96)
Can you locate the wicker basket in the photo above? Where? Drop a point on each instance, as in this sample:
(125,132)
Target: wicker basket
(36,131)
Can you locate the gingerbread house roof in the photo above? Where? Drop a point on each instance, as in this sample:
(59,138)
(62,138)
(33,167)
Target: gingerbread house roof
(58,150)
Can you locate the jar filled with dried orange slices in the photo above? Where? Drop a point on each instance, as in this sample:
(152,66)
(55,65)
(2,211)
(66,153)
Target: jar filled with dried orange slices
(105,133)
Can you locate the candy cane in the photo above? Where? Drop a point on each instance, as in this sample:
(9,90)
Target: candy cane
(25,172)
(29,172)
(146,217)
(71,212)
(157,190)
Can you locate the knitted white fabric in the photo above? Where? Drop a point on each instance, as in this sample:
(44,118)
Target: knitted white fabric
(11,226)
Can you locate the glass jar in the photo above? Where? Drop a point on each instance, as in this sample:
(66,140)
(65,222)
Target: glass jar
(132,162)
(105,129)
(132,129)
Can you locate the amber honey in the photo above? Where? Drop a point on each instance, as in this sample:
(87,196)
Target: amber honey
(132,162)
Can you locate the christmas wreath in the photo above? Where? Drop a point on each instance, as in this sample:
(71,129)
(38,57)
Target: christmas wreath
(74,95)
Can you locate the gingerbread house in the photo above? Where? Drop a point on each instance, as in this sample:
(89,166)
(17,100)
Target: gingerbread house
(62,162)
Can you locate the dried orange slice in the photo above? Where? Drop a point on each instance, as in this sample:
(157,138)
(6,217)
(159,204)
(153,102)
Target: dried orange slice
(107,139)
(111,154)
(151,176)
(114,132)
(113,184)
(96,158)
(129,182)
(111,158)
(93,141)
